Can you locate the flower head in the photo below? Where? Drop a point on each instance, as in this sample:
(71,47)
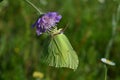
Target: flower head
(46,22)
(104,60)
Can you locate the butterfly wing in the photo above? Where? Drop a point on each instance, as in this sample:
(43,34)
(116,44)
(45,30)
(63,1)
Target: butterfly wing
(61,53)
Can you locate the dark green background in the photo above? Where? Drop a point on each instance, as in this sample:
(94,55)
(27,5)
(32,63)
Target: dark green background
(89,31)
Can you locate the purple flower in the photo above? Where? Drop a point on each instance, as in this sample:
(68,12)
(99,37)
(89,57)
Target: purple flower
(46,22)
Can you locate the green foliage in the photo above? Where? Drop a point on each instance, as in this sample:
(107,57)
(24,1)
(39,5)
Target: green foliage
(89,32)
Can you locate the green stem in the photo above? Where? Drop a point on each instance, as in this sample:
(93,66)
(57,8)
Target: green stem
(115,20)
(110,43)
(40,12)
(114,24)
(106,72)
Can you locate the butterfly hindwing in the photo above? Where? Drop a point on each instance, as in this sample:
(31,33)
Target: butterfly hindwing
(61,53)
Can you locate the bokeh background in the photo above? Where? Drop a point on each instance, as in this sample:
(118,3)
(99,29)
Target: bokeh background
(90,26)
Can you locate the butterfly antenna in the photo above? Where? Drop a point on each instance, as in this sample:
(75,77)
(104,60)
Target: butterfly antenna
(64,28)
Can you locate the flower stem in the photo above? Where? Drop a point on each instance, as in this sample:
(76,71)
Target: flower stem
(115,19)
(40,12)
(106,72)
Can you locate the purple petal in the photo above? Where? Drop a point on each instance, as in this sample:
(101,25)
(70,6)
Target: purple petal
(52,14)
(57,18)
(33,25)
(38,21)
(38,32)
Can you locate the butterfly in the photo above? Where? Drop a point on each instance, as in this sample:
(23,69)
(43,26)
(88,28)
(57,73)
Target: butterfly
(59,52)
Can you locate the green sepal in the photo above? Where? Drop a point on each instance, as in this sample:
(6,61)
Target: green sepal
(59,52)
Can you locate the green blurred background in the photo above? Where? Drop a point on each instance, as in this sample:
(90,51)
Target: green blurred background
(89,31)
